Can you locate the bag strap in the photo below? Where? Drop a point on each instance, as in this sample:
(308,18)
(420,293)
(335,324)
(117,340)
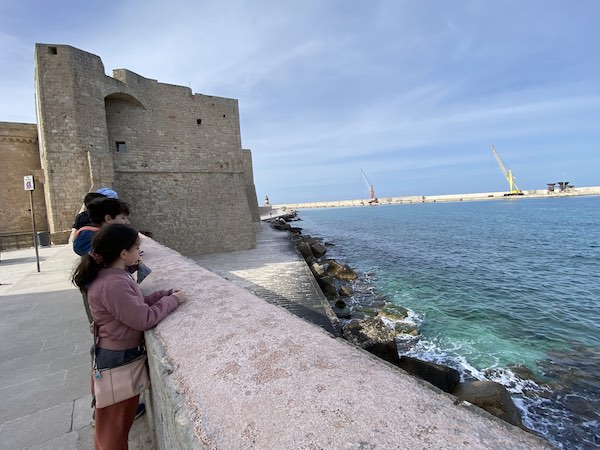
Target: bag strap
(95,372)
(95,327)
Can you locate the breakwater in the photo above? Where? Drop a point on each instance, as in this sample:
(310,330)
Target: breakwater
(409,200)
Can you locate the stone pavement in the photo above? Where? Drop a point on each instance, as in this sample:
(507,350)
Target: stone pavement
(45,339)
(44,356)
(275,272)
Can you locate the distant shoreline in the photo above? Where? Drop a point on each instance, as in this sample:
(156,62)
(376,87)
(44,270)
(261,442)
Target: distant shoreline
(407,200)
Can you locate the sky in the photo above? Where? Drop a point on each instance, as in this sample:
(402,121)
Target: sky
(413,92)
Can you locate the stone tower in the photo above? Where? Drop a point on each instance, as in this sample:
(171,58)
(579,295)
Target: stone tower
(175,156)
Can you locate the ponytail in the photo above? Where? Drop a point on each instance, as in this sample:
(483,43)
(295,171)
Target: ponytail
(86,271)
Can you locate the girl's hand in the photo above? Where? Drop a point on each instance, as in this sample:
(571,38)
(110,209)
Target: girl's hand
(181,298)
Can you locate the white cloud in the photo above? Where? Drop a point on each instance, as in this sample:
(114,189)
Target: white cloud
(325,88)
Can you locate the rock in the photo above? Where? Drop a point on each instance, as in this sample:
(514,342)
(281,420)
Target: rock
(394,312)
(281,225)
(340,303)
(327,285)
(297,238)
(340,271)
(439,375)
(365,310)
(491,396)
(318,249)
(406,328)
(361,332)
(305,251)
(377,302)
(385,350)
(342,312)
(345,291)
(317,269)
(372,335)
(523,372)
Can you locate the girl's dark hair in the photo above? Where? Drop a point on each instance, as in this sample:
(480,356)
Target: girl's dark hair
(107,244)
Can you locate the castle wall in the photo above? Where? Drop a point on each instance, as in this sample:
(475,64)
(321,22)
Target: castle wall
(249,182)
(71,124)
(19,156)
(175,156)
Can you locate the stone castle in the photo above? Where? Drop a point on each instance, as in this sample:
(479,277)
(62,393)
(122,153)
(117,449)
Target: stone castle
(175,156)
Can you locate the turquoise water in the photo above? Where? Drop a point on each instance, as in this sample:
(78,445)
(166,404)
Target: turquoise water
(504,290)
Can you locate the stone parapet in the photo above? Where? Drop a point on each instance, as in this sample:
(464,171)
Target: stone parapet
(231,371)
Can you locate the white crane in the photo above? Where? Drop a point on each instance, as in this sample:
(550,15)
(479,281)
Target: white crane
(372,198)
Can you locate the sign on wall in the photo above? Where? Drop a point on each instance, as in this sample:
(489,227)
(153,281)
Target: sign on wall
(28,182)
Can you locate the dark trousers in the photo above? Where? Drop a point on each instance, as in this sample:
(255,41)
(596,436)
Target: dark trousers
(113,424)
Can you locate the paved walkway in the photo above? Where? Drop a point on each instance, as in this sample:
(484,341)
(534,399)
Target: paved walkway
(45,340)
(275,272)
(44,356)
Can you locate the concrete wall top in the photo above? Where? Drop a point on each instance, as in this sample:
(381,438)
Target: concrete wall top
(248,374)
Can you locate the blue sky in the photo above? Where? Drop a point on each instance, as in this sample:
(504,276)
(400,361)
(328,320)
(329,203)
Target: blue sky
(413,92)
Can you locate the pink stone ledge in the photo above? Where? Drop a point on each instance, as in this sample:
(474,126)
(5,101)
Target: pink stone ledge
(231,371)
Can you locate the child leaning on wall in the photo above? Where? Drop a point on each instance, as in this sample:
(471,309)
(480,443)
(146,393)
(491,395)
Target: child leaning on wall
(107,210)
(121,314)
(83,218)
(104,211)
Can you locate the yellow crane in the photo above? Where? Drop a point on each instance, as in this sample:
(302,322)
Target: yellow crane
(513,188)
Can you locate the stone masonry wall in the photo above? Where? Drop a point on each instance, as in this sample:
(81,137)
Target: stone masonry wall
(68,115)
(19,157)
(175,156)
(250,187)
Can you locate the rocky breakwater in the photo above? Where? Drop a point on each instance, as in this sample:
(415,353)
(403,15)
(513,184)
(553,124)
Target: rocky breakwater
(373,324)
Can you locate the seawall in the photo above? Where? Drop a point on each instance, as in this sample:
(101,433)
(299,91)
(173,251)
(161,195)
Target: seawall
(408,200)
(231,371)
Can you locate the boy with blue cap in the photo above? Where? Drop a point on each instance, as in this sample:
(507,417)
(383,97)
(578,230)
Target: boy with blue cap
(83,218)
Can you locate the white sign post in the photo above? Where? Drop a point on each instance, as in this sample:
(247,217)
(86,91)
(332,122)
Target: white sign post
(29,185)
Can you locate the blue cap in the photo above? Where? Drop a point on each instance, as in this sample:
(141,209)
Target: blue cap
(108,192)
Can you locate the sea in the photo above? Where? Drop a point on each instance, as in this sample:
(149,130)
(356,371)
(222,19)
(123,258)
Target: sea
(504,290)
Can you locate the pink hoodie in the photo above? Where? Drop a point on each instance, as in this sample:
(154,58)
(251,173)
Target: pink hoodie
(121,311)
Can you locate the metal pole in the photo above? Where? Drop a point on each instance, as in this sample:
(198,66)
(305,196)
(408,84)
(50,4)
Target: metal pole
(35,241)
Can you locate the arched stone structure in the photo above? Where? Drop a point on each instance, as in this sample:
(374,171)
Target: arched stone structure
(174,155)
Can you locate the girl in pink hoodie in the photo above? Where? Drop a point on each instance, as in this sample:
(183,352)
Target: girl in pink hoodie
(122,314)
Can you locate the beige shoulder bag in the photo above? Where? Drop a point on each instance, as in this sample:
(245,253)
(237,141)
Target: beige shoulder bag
(118,383)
